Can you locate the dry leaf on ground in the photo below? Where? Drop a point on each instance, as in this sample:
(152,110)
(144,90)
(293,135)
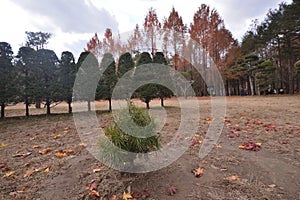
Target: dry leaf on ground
(233,178)
(3,145)
(47,169)
(250,145)
(272,186)
(172,190)
(94,193)
(60,154)
(198,172)
(23,155)
(28,173)
(44,151)
(69,151)
(96,170)
(127,196)
(57,136)
(8,174)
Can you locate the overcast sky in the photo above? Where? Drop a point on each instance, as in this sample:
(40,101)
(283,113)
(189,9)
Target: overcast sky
(74,22)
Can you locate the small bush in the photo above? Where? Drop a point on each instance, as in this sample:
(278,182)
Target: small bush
(133,131)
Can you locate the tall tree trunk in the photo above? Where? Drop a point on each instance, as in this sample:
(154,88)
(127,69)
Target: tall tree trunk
(38,103)
(48,107)
(2,110)
(162,102)
(70,107)
(298,82)
(109,105)
(26,108)
(291,78)
(147,104)
(89,105)
(205,93)
(251,85)
(227,93)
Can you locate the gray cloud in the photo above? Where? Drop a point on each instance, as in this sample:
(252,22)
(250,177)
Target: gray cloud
(236,13)
(79,16)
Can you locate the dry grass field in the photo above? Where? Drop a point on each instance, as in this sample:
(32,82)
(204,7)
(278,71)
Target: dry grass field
(256,157)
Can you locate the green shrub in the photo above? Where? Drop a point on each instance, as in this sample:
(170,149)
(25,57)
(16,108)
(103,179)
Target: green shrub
(133,131)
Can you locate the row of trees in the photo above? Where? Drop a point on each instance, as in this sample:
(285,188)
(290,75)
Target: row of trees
(267,57)
(261,61)
(188,49)
(36,76)
(274,49)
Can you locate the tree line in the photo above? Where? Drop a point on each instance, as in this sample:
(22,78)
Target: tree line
(36,75)
(274,46)
(265,59)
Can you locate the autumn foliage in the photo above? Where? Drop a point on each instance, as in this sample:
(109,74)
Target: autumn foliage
(183,46)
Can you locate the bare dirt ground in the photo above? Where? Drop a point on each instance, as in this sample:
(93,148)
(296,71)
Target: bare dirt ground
(42,157)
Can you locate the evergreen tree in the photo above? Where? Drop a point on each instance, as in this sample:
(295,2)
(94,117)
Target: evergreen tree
(163,92)
(37,40)
(8,87)
(149,91)
(265,76)
(47,64)
(28,82)
(87,75)
(125,64)
(277,39)
(67,77)
(108,80)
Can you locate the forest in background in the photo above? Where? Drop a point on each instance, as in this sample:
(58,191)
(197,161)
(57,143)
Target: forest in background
(266,60)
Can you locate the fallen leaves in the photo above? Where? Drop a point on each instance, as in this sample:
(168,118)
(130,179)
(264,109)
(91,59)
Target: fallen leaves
(228,121)
(233,178)
(4,167)
(198,172)
(92,188)
(60,154)
(44,151)
(272,186)
(126,196)
(196,140)
(63,153)
(57,136)
(70,151)
(47,169)
(22,155)
(96,170)
(270,127)
(3,145)
(94,193)
(172,190)
(82,144)
(283,142)
(250,145)
(8,174)
(208,120)
(28,173)
(144,194)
